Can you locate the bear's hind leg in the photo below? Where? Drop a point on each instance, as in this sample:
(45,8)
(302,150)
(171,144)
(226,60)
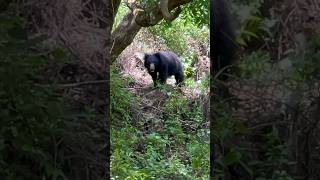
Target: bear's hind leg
(179,78)
(163,80)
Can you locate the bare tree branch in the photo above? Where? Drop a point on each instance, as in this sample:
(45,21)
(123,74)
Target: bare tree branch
(165,11)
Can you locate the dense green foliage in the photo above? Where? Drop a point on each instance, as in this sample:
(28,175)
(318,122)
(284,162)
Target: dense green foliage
(197,12)
(274,151)
(37,120)
(32,116)
(298,74)
(162,154)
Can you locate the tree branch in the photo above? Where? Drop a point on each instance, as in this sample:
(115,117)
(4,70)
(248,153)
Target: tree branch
(132,22)
(165,11)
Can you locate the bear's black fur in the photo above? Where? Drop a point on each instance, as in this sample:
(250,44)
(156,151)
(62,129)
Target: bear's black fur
(222,36)
(163,64)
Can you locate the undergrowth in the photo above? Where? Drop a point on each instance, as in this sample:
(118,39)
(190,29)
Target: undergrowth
(37,126)
(33,117)
(171,152)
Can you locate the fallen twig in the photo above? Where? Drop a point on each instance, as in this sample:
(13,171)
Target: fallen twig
(75,84)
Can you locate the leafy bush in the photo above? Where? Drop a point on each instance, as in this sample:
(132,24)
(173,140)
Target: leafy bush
(197,13)
(177,111)
(256,65)
(276,158)
(32,116)
(273,161)
(120,99)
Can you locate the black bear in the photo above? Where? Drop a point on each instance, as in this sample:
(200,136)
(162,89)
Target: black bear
(161,65)
(222,36)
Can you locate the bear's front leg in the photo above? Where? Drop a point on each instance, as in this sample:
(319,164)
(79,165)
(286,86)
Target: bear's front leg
(154,78)
(163,78)
(163,74)
(179,78)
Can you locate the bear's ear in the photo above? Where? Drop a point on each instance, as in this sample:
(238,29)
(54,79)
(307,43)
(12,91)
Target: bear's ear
(146,56)
(141,56)
(157,55)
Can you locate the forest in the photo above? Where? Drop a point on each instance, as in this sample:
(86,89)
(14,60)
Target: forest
(79,98)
